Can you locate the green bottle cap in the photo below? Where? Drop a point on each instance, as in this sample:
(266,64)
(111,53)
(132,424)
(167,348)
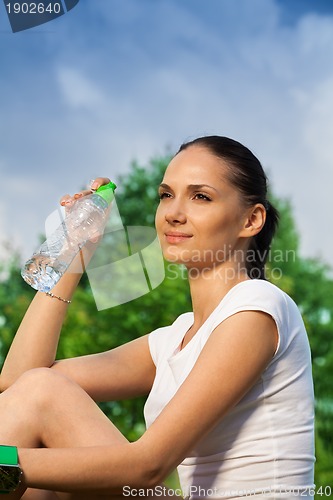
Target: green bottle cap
(106,191)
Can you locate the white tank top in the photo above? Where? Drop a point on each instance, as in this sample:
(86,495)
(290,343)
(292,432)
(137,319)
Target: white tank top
(265,444)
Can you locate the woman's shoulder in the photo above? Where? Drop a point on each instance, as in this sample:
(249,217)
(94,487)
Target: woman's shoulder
(256,295)
(261,295)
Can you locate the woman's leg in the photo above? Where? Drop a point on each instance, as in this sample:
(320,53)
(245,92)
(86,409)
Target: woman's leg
(45,408)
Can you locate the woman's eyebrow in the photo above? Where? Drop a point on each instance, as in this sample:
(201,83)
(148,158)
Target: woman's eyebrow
(190,187)
(193,187)
(164,186)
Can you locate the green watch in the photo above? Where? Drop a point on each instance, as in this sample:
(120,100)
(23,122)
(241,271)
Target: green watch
(10,471)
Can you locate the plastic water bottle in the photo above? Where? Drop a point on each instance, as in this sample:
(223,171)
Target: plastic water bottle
(86,220)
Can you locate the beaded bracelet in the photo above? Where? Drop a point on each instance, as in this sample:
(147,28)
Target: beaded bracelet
(57,297)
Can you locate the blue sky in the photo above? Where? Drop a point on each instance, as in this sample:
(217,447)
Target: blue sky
(116,80)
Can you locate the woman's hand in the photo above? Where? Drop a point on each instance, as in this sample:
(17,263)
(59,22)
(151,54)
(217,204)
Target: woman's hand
(68,201)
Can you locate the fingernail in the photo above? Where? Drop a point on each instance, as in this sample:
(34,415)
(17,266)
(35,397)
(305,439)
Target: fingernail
(77,195)
(94,185)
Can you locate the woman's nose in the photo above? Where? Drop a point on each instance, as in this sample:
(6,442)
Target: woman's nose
(175,214)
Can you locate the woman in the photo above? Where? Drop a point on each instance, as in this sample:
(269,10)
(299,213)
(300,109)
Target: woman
(230,390)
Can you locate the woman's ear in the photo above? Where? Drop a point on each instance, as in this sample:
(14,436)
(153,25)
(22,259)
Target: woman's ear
(255,219)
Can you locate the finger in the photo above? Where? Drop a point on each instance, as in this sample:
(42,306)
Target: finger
(66,200)
(98,182)
(80,194)
(95,239)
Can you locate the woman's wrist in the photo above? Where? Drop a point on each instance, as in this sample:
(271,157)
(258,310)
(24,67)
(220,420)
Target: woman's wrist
(65,288)
(53,296)
(10,470)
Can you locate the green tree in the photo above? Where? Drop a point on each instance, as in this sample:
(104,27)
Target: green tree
(308,282)
(15,297)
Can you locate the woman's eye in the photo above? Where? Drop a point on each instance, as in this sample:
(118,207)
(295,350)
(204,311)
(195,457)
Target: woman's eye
(201,196)
(163,195)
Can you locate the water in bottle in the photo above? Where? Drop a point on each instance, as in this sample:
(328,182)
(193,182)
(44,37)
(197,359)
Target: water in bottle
(85,221)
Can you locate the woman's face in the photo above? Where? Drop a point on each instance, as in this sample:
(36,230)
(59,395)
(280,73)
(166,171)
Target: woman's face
(200,215)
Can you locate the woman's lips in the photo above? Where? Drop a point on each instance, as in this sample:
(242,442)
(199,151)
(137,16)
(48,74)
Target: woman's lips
(176,237)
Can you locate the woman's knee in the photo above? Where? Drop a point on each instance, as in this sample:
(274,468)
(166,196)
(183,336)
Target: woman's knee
(41,385)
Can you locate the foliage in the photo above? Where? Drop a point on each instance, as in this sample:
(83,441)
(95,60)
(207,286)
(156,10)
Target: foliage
(14,300)
(308,282)
(87,330)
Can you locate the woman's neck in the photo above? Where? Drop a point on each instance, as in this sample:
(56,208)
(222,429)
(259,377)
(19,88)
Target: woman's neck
(209,286)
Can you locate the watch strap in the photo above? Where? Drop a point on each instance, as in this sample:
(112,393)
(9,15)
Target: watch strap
(8,455)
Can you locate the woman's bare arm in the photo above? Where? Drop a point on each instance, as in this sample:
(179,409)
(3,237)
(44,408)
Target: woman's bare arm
(37,338)
(124,372)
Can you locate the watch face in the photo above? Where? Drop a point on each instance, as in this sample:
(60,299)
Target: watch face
(10,477)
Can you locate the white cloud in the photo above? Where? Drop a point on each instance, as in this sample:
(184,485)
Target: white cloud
(78,90)
(318,123)
(315,34)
